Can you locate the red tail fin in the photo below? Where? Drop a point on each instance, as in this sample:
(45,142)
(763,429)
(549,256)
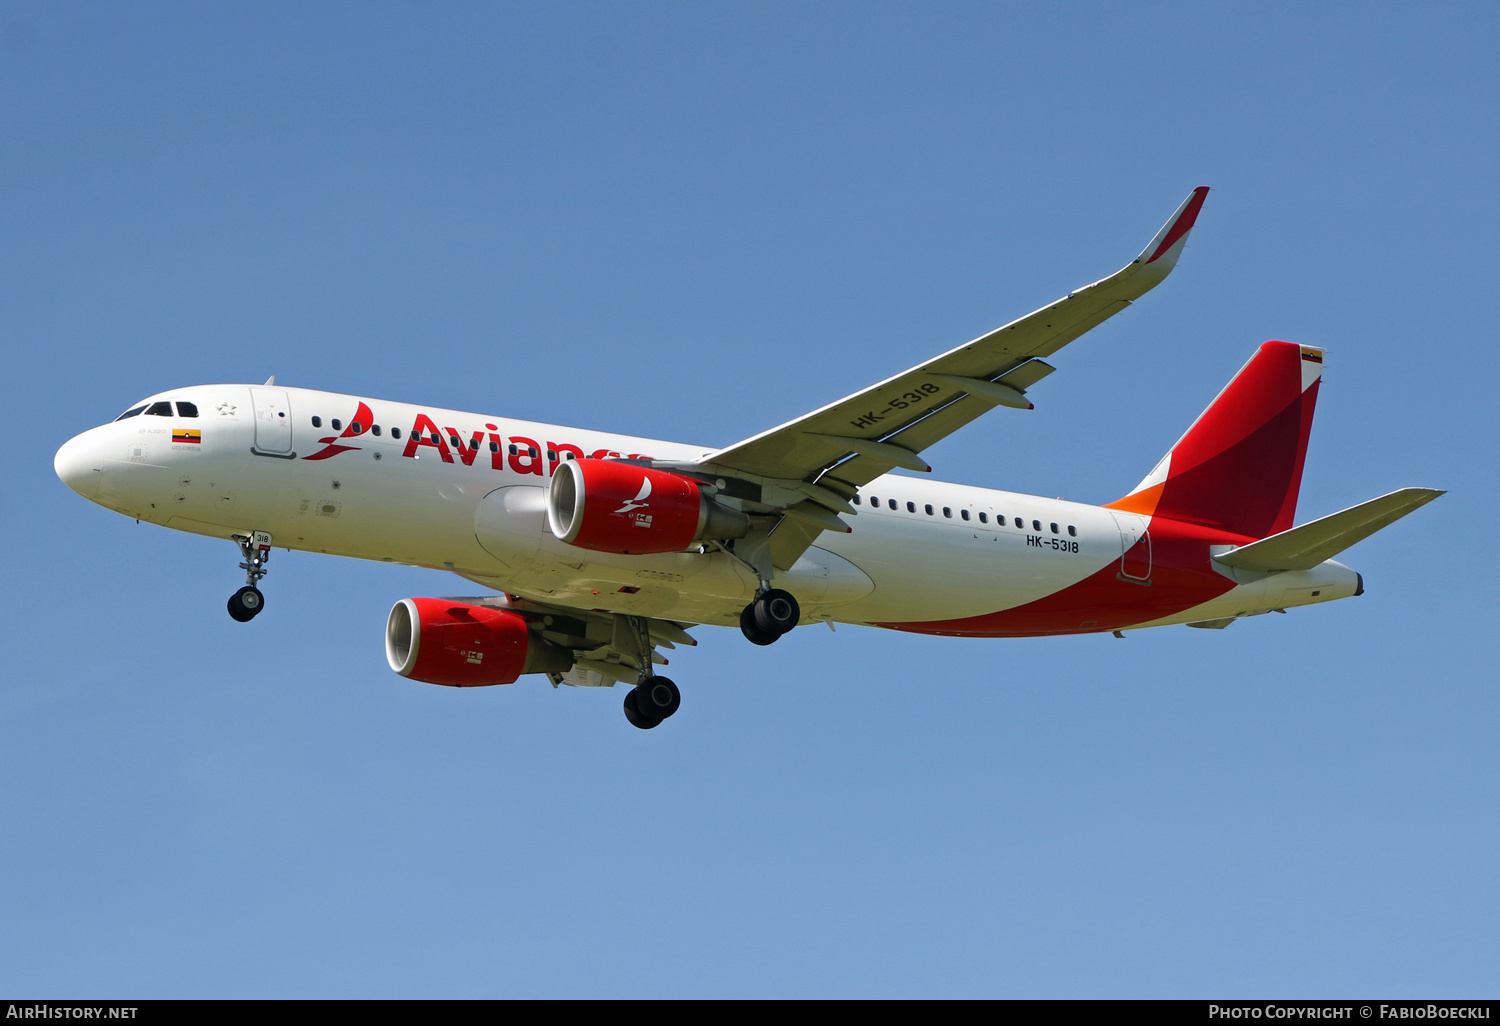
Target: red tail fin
(1239,467)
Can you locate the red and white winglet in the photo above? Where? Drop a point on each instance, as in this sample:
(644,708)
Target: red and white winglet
(1167,246)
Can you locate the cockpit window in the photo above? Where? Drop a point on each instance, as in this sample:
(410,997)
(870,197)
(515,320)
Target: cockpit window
(186,409)
(161,409)
(134,412)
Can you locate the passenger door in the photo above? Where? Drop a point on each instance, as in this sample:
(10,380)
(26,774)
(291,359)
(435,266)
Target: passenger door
(1135,548)
(273,423)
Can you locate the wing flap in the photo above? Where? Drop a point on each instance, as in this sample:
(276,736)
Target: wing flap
(1304,547)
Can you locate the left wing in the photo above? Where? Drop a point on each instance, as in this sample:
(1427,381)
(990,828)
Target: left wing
(855,440)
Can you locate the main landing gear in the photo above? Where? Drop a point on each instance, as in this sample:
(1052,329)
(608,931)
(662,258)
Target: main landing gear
(651,701)
(773,613)
(654,698)
(246,603)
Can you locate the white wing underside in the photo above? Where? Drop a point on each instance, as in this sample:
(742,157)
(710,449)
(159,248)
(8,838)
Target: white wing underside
(813,464)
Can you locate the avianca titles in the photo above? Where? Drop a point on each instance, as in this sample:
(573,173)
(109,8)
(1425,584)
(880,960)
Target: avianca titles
(597,551)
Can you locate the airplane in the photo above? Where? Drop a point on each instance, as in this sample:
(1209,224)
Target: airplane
(600,550)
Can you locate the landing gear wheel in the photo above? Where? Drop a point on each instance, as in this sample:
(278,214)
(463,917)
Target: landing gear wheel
(657,697)
(246,603)
(776,612)
(752,632)
(634,714)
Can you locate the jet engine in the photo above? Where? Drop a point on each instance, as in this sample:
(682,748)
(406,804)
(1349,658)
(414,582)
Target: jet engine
(454,643)
(632,510)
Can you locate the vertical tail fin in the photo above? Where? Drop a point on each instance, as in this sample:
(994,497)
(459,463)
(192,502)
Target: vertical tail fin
(1239,467)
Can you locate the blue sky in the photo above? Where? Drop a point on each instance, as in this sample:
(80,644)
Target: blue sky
(693,222)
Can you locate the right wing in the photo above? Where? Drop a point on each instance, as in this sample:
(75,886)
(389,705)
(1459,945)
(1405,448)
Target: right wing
(606,647)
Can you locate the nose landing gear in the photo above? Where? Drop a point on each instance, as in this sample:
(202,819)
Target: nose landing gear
(246,603)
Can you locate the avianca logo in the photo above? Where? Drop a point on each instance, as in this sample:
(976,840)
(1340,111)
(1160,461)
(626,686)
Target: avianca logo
(637,503)
(363,418)
(522,455)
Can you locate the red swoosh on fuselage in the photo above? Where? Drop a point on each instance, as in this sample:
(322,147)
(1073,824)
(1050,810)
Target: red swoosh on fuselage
(331,450)
(1182,576)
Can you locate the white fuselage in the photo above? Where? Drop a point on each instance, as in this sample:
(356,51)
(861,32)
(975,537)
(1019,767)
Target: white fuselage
(478,511)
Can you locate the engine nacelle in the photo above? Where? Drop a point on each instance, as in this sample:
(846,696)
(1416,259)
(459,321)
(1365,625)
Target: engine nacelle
(633,510)
(450,642)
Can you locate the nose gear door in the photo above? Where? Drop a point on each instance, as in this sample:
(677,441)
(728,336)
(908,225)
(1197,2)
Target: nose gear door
(273,423)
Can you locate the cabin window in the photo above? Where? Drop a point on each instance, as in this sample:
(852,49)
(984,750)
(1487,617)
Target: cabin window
(947,512)
(317,422)
(1036,525)
(494,446)
(532,452)
(375,430)
(160,410)
(356,428)
(1072,531)
(514,451)
(1054,528)
(965,513)
(186,409)
(395,432)
(131,413)
(911,507)
(891,503)
(1020,522)
(334,423)
(928,507)
(984,518)
(434,438)
(552,455)
(856,500)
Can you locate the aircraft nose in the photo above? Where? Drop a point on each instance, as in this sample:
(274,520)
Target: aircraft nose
(79,463)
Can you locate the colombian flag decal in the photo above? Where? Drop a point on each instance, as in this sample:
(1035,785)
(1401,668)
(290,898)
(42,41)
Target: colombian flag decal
(190,437)
(1312,355)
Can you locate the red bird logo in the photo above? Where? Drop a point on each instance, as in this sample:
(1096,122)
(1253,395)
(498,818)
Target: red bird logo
(358,426)
(639,501)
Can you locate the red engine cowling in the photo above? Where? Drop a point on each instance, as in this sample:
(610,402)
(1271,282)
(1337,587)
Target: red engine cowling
(633,510)
(444,641)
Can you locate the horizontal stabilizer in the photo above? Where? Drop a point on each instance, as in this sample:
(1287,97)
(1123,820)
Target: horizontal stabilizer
(1303,548)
